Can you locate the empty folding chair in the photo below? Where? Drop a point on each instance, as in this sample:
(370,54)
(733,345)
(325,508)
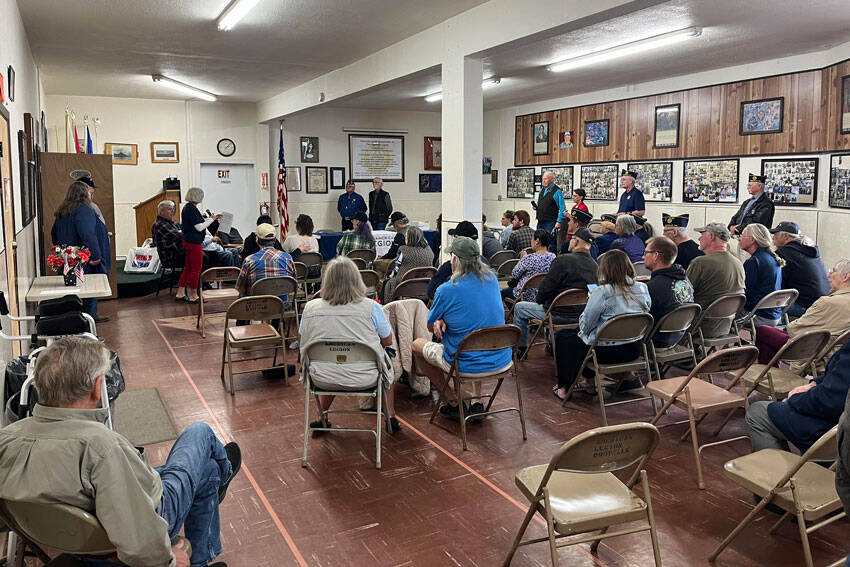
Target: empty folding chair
(500,257)
(313,261)
(720,314)
(420,272)
(641,269)
(368,255)
(776,382)
(360,263)
(221,293)
(370,280)
(503,272)
(412,289)
(678,321)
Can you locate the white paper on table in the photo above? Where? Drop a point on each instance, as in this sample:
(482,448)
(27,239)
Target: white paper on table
(225,222)
(62,291)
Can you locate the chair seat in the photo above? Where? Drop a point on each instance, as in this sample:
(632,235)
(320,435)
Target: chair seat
(583,502)
(783,380)
(220,293)
(617,367)
(676,352)
(251,332)
(716,341)
(704,395)
(760,471)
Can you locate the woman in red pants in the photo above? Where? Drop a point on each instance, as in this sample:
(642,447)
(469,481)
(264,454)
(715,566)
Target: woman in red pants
(193,226)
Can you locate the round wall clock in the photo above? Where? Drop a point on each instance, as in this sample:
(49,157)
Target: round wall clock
(226,147)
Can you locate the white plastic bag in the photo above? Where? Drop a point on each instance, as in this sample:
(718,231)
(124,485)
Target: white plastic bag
(143,259)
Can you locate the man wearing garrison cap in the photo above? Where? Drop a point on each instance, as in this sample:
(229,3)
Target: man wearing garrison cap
(632,200)
(676,229)
(757,209)
(578,220)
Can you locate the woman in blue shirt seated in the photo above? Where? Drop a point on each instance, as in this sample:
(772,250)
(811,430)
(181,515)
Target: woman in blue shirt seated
(618,293)
(763,272)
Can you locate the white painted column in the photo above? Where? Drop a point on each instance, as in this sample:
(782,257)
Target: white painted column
(462,133)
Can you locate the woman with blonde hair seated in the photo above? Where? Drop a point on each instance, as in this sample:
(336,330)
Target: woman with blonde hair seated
(763,272)
(344,313)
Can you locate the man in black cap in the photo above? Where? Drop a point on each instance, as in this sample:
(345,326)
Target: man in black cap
(676,229)
(757,209)
(579,219)
(632,200)
(444,272)
(803,270)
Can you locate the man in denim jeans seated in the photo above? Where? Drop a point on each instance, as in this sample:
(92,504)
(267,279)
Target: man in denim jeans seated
(64,453)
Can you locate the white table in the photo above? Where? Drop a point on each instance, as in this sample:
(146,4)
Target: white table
(51,287)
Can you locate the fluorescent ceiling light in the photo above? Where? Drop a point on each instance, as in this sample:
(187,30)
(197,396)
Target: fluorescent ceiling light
(632,48)
(234,12)
(491,82)
(183,88)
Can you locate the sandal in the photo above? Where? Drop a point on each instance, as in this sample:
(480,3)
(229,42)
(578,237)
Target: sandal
(555,393)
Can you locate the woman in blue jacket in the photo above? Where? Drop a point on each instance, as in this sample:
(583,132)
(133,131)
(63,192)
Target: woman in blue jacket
(763,271)
(77,224)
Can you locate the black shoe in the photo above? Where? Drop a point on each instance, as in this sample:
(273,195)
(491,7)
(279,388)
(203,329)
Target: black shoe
(633,384)
(277,373)
(521,351)
(393,425)
(319,423)
(101,318)
(474,410)
(451,412)
(234,455)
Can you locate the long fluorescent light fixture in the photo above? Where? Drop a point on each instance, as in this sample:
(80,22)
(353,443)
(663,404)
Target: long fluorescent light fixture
(491,82)
(234,12)
(183,88)
(632,48)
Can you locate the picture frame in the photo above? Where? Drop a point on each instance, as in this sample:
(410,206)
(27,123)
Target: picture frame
(600,181)
(564,180)
(764,116)
(710,181)
(10,84)
(566,139)
(293,178)
(839,181)
(430,182)
(667,121)
(486,165)
(791,182)
(540,138)
(596,133)
(376,155)
(165,152)
(655,180)
(122,154)
(26,186)
(494,176)
(317,179)
(309,149)
(337,178)
(845,104)
(520,183)
(433,157)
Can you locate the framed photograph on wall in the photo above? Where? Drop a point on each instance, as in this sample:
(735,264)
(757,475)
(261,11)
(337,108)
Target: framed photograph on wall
(655,180)
(521,183)
(596,133)
(667,126)
(165,152)
(317,179)
(430,182)
(337,178)
(494,176)
(845,104)
(710,181)
(541,138)
(762,116)
(839,181)
(293,178)
(122,154)
(600,182)
(564,180)
(566,139)
(433,153)
(791,181)
(309,149)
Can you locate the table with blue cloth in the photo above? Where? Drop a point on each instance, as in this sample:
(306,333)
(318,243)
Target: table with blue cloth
(329,240)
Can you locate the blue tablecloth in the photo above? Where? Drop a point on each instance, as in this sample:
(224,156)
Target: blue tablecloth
(329,240)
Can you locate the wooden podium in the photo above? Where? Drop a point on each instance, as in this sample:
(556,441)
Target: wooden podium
(146,213)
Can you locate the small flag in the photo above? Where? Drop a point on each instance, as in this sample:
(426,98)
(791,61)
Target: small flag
(89,148)
(76,141)
(282,201)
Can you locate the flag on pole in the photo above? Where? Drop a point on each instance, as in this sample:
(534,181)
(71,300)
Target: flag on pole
(89,148)
(282,201)
(76,141)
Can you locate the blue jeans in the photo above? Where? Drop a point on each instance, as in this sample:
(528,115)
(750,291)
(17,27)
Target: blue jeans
(379,225)
(90,306)
(523,312)
(796,311)
(548,226)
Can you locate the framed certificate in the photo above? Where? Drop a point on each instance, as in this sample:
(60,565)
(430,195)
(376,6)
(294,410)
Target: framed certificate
(317,179)
(376,155)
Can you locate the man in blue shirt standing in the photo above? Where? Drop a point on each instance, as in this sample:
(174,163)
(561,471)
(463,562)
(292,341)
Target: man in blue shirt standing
(631,202)
(349,204)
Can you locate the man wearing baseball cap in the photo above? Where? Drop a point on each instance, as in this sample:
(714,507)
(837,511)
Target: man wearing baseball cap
(803,270)
(444,272)
(757,209)
(717,273)
(266,263)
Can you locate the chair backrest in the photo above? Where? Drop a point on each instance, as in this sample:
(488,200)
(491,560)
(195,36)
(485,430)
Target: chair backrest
(825,448)
(420,272)
(627,328)
(724,307)
(803,347)
(257,307)
(366,254)
(340,352)
(300,270)
(781,298)
(496,337)
(641,269)
(370,278)
(678,320)
(506,267)
(360,263)
(834,344)
(569,297)
(733,362)
(531,283)
(220,274)
(595,226)
(276,285)
(607,449)
(417,287)
(500,257)
(65,528)
(529,250)
(310,258)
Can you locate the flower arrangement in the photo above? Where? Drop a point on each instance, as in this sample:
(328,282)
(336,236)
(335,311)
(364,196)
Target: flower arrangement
(70,260)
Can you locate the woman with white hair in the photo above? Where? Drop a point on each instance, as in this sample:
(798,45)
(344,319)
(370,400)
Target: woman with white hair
(194,227)
(762,271)
(628,242)
(343,312)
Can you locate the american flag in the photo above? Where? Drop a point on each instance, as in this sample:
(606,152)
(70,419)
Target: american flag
(282,201)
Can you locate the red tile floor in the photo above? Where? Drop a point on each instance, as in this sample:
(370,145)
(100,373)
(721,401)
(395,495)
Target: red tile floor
(432,503)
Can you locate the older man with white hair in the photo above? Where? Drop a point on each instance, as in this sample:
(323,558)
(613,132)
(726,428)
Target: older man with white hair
(631,201)
(550,204)
(676,229)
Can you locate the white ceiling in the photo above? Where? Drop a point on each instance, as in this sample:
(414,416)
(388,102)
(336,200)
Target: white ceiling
(111,47)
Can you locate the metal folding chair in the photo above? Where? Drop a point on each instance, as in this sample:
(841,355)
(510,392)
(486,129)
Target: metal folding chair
(220,276)
(531,283)
(416,288)
(503,272)
(500,257)
(776,382)
(368,255)
(420,272)
(720,312)
(819,362)
(780,299)
(370,280)
(567,298)
(360,263)
(680,320)
(641,269)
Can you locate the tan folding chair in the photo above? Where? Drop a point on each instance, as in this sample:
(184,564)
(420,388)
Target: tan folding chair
(341,353)
(370,280)
(485,339)
(567,298)
(577,492)
(700,398)
(281,286)
(420,272)
(781,299)
(531,283)
(301,277)
(623,329)
(528,250)
(360,263)
(500,257)
(255,337)
(595,226)
(722,310)
(797,484)
(505,269)
(219,275)
(310,259)
(818,365)
(680,320)
(777,382)
(641,269)
(368,255)
(416,288)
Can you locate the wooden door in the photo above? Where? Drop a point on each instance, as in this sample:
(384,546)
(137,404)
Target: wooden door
(56,177)
(8,205)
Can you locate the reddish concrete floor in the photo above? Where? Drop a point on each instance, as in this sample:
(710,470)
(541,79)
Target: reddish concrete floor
(432,503)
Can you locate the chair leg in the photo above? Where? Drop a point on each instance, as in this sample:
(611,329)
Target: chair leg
(306,421)
(739,528)
(694,440)
(595,545)
(779,522)
(550,527)
(801,525)
(461,412)
(531,342)
(647,497)
(528,516)
(223,352)
(230,369)
(379,427)
(519,404)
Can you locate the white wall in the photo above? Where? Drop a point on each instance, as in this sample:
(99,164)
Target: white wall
(196,126)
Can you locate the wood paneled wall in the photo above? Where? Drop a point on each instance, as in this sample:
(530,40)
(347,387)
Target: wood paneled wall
(708,123)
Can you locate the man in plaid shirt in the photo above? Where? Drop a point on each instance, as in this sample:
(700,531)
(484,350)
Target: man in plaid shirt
(167,236)
(268,262)
(521,234)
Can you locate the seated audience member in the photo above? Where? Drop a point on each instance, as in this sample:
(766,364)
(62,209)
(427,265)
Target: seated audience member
(530,264)
(676,229)
(468,302)
(717,273)
(414,254)
(304,229)
(507,223)
(842,470)
(489,243)
(360,237)
(521,233)
(807,413)
(167,237)
(579,195)
(576,220)
(267,262)
(345,313)
(251,245)
(438,238)
(627,242)
(644,230)
(668,285)
(221,255)
(618,295)
(829,313)
(65,454)
(762,272)
(444,272)
(568,271)
(231,239)
(803,270)
(609,235)
(398,223)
